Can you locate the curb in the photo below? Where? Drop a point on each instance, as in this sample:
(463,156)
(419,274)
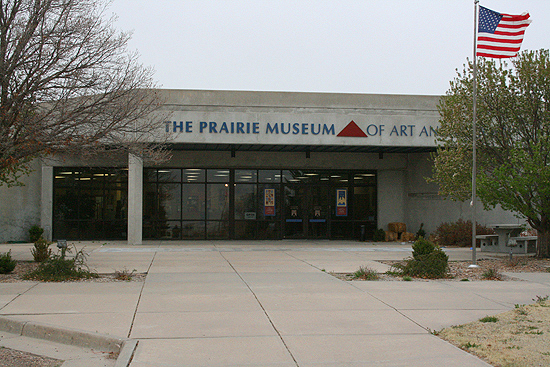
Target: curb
(122,347)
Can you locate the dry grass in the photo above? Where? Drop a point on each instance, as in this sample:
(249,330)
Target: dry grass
(519,338)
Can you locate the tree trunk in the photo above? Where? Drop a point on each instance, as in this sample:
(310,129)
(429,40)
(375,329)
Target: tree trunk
(543,242)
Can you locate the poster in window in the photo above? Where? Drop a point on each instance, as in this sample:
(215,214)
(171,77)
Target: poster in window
(341,202)
(269,202)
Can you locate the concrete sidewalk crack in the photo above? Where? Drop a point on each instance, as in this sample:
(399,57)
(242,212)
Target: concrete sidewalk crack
(19,295)
(264,310)
(140,294)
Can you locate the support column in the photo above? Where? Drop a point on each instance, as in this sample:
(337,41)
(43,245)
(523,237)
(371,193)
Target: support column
(46,202)
(135,200)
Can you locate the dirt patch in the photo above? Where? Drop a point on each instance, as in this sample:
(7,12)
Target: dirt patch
(24,267)
(14,358)
(518,338)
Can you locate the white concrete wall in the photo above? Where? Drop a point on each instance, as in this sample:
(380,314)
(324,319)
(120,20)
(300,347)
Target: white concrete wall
(20,207)
(425,206)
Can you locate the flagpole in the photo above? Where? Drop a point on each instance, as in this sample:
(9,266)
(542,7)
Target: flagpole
(474,143)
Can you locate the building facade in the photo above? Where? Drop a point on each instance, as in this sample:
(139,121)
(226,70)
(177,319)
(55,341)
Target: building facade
(251,166)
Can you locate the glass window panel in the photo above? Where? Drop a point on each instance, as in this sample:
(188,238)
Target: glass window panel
(116,204)
(65,204)
(218,175)
(339,177)
(149,175)
(245,230)
(193,202)
(217,205)
(293,176)
(169,175)
(115,229)
(364,203)
(246,175)
(169,201)
(194,175)
(66,230)
(217,230)
(150,201)
(193,230)
(364,178)
(170,230)
(65,177)
(245,201)
(92,177)
(270,175)
(90,204)
(269,230)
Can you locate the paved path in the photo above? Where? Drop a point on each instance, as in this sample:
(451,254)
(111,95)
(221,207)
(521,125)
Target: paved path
(266,304)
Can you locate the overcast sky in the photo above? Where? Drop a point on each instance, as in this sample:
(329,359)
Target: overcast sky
(349,46)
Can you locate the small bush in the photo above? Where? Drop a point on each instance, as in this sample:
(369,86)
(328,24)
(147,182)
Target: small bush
(125,275)
(41,250)
(365,273)
(458,233)
(7,264)
(379,235)
(428,261)
(57,268)
(35,232)
(422,247)
(491,274)
(489,319)
(421,232)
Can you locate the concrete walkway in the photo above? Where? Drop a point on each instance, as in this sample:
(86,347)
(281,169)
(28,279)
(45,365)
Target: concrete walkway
(216,303)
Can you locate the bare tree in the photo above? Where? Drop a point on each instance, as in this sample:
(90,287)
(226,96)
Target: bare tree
(68,84)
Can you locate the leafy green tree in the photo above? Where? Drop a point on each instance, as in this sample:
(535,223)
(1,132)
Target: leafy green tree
(513,138)
(68,84)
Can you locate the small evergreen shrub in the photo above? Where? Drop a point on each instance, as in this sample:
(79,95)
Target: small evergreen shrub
(379,235)
(421,232)
(428,261)
(41,250)
(7,264)
(35,233)
(458,233)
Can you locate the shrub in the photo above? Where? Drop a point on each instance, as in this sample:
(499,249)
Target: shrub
(7,264)
(428,261)
(35,232)
(458,233)
(422,247)
(57,268)
(421,232)
(41,250)
(489,319)
(491,274)
(365,273)
(379,235)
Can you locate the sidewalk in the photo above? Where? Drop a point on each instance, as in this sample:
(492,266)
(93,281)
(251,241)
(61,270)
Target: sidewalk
(217,303)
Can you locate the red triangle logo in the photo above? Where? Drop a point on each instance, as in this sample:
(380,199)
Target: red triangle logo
(352,130)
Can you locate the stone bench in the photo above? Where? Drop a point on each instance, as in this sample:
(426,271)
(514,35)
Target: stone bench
(523,244)
(489,242)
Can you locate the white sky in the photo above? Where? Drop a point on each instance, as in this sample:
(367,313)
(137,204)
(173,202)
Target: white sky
(349,46)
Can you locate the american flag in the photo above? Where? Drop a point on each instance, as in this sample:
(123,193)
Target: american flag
(500,35)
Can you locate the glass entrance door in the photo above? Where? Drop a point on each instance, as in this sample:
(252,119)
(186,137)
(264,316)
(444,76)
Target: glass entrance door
(306,211)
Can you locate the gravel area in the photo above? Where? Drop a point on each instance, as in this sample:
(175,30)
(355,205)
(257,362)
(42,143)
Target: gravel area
(14,358)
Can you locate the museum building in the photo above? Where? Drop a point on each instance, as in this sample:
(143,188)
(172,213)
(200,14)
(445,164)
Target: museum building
(251,166)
